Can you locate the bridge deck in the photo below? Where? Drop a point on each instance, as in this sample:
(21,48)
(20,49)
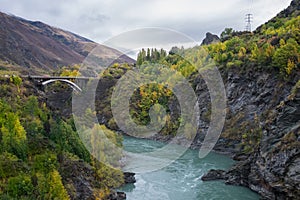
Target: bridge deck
(58,77)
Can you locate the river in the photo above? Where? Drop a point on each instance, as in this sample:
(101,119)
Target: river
(181,180)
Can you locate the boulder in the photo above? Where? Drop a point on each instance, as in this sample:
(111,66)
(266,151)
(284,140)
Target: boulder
(213,175)
(129,177)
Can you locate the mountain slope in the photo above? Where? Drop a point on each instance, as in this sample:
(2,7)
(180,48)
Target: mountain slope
(35,47)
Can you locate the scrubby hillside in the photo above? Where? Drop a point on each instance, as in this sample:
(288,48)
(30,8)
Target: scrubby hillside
(42,156)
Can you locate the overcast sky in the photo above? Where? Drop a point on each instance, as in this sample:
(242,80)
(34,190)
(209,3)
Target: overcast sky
(99,20)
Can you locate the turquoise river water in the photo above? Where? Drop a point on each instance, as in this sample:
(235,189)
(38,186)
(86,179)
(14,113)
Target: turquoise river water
(181,180)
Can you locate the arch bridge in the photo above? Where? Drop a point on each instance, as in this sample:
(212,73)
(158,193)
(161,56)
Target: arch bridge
(45,80)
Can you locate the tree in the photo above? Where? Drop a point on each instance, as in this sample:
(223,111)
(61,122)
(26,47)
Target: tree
(148,56)
(19,186)
(105,145)
(269,51)
(45,163)
(290,66)
(254,52)
(286,55)
(50,186)
(163,53)
(17,81)
(174,50)
(227,33)
(141,57)
(33,117)
(68,140)
(242,53)
(14,138)
(56,187)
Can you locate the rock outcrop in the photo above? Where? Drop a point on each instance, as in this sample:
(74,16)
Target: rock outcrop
(117,196)
(129,177)
(210,38)
(214,174)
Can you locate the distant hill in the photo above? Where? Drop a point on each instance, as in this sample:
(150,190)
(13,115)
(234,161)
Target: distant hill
(35,47)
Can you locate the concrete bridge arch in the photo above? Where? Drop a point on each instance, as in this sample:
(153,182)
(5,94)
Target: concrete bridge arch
(72,84)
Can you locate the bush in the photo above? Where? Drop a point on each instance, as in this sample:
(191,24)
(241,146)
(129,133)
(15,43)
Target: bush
(10,165)
(50,186)
(45,162)
(109,177)
(19,186)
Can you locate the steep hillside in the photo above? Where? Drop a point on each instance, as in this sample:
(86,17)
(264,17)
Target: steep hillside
(35,47)
(41,154)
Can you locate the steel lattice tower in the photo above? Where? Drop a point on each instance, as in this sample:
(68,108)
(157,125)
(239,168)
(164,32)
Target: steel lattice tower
(249,20)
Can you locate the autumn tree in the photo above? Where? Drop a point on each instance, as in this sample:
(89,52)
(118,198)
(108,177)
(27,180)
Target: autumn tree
(286,57)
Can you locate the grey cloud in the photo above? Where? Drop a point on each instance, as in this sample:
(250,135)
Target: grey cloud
(91,17)
(100,20)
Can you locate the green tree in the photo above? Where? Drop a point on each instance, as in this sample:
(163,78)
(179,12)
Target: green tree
(141,57)
(227,33)
(33,117)
(68,140)
(45,163)
(50,186)
(19,186)
(14,138)
(109,177)
(148,55)
(286,55)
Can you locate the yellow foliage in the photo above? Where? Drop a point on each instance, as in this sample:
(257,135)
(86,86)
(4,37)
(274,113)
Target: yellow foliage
(290,66)
(71,71)
(57,189)
(101,194)
(242,52)
(270,51)
(282,42)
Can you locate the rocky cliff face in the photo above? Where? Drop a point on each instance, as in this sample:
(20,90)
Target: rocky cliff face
(274,166)
(250,94)
(259,100)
